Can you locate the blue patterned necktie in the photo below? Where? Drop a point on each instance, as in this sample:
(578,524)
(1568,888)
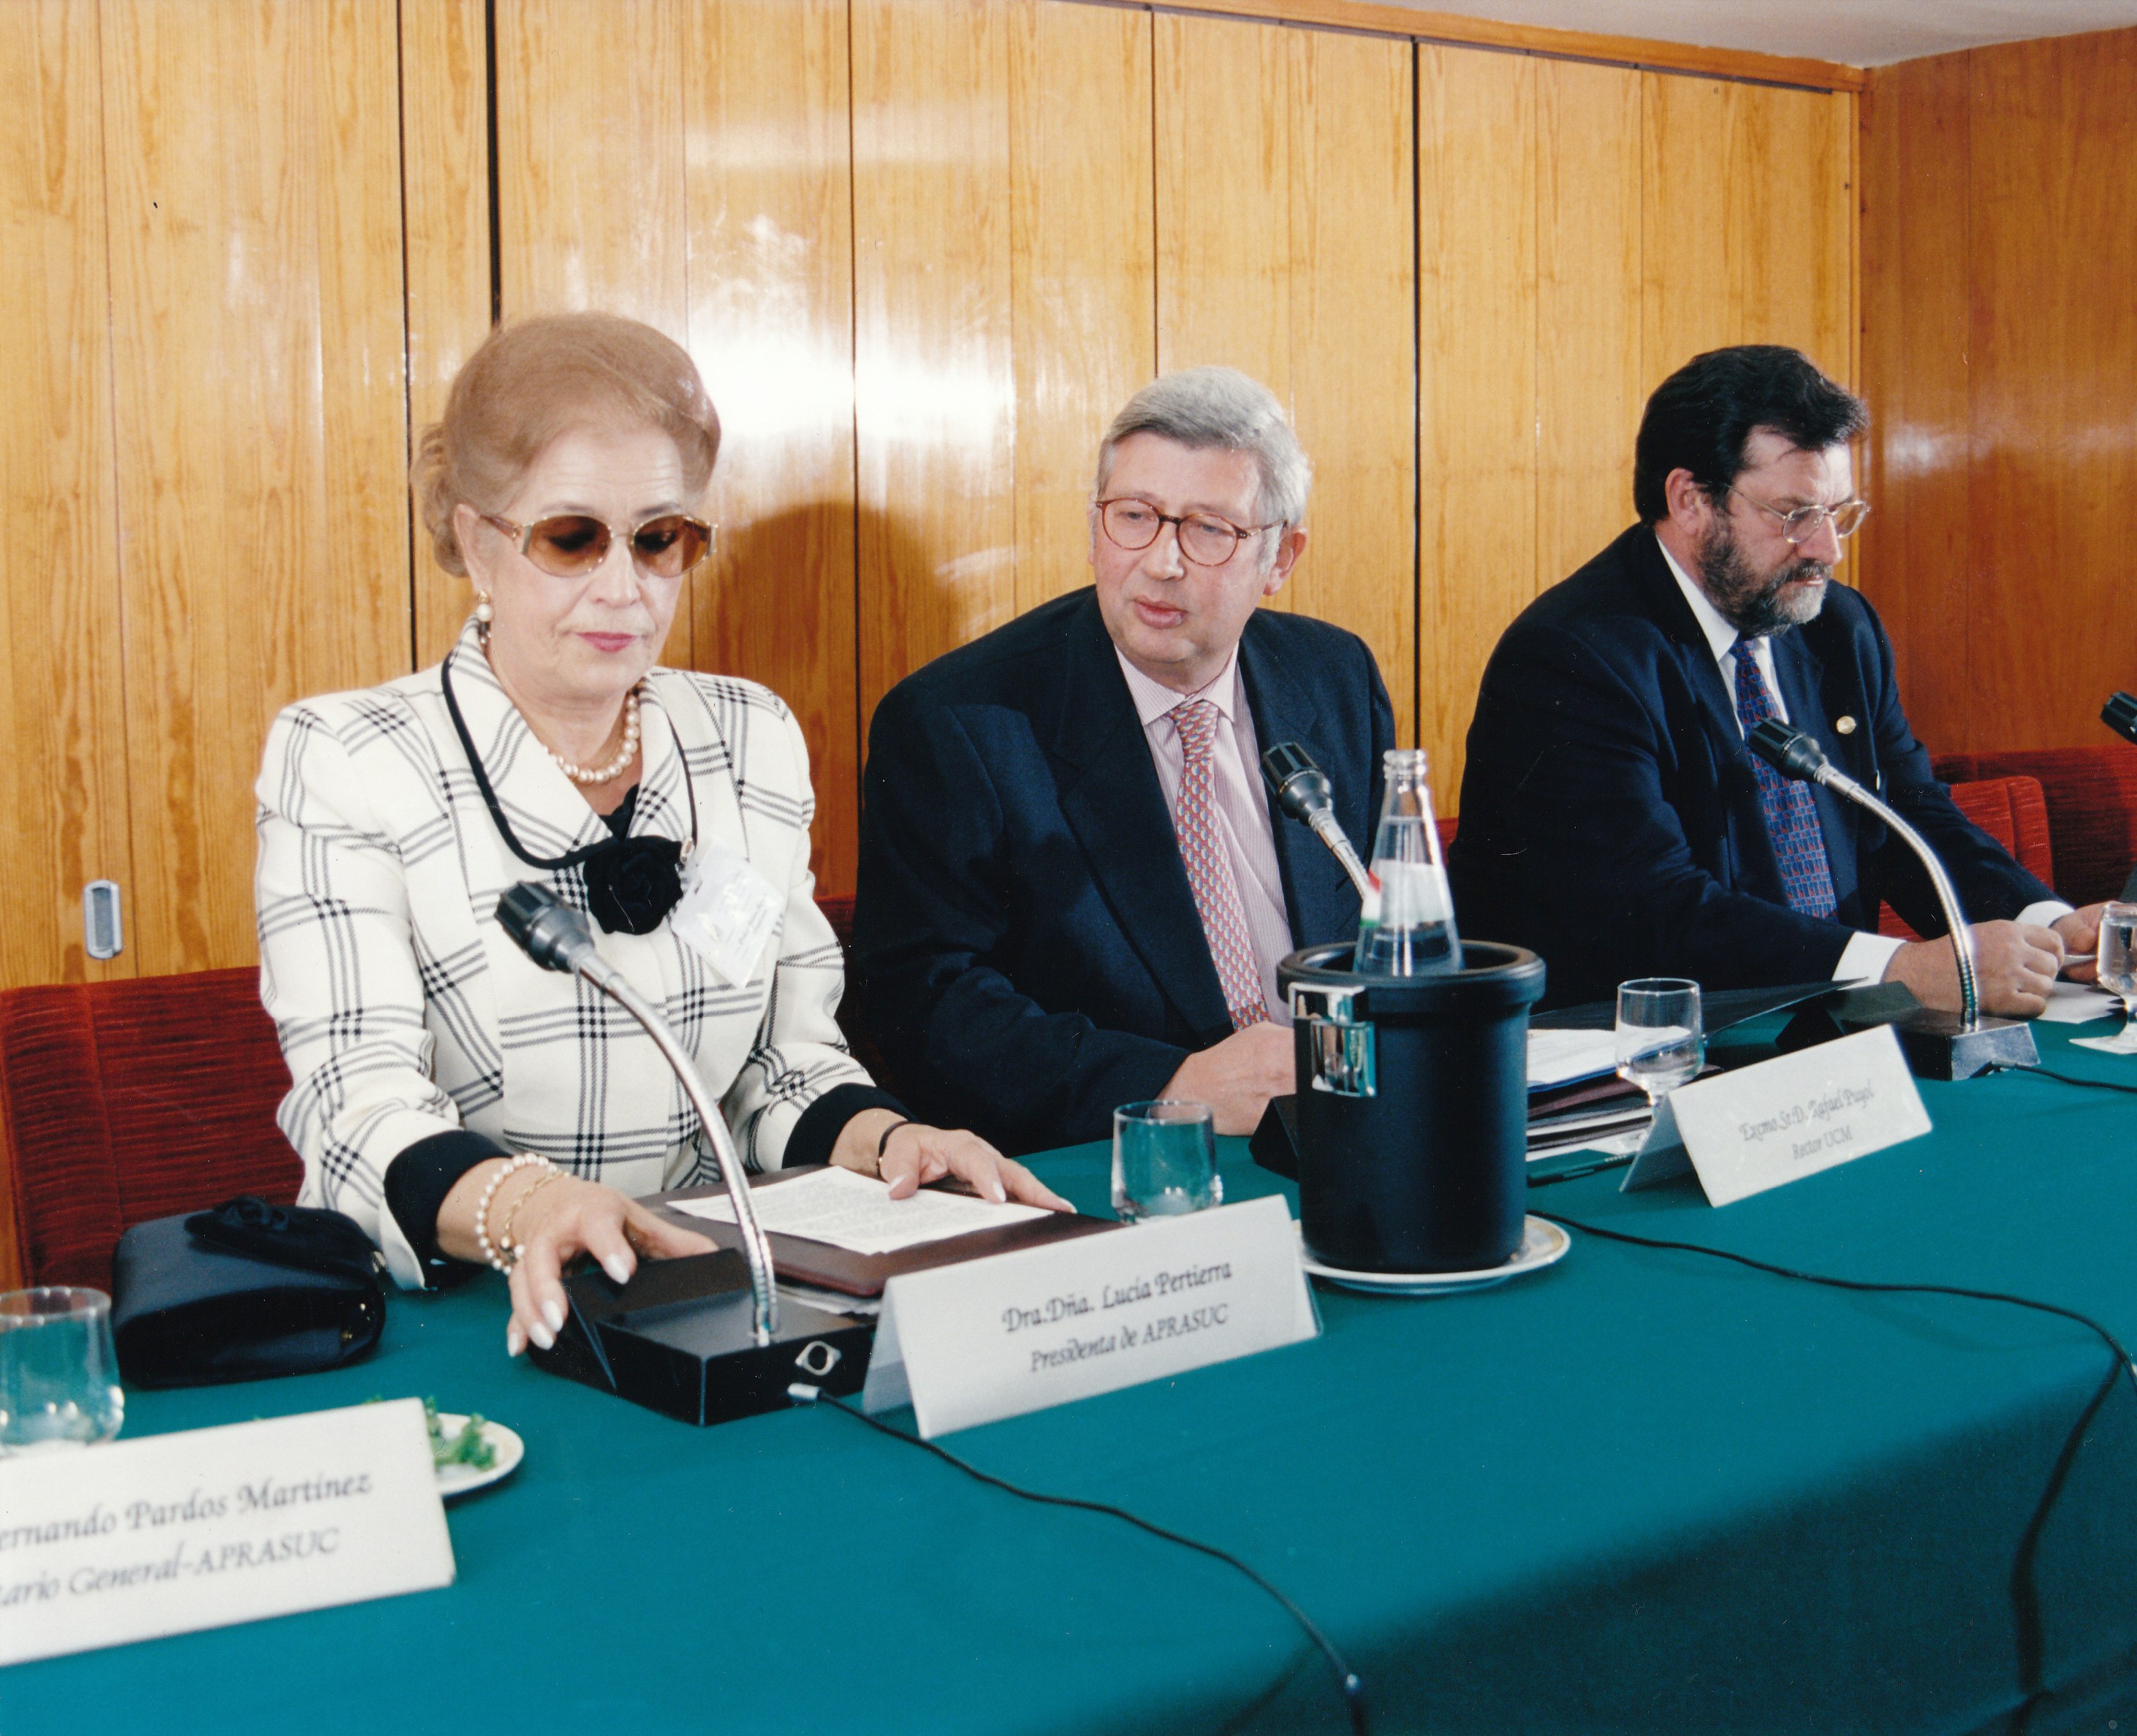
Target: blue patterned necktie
(1791,814)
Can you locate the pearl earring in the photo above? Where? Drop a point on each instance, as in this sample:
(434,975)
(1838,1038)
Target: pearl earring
(483,614)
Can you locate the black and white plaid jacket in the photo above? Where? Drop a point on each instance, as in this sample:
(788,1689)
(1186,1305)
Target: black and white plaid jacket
(404,1008)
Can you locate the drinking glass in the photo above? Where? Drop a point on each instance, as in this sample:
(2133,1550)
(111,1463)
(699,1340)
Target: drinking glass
(2117,967)
(59,1374)
(1165,1160)
(1660,1043)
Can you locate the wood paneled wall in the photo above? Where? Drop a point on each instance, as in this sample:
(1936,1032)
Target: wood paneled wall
(921,249)
(1999,244)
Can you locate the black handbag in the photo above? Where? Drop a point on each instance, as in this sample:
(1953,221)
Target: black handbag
(245,1292)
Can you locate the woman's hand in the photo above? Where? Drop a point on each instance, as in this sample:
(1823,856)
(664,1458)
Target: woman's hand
(917,1154)
(555,1218)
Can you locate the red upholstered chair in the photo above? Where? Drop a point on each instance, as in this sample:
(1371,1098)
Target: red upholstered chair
(139,1097)
(1446,827)
(134,1099)
(2092,809)
(2014,812)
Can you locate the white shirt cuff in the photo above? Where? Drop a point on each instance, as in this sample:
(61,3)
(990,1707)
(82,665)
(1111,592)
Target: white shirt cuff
(2041,914)
(1866,957)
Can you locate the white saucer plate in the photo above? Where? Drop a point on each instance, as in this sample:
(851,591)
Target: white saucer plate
(1542,1244)
(465,1479)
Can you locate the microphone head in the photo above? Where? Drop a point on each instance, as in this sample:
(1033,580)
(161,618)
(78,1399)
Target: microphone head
(1302,788)
(2120,714)
(548,931)
(1789,751)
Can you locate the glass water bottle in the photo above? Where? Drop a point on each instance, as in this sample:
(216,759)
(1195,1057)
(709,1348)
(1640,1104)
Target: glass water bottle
(1411,932)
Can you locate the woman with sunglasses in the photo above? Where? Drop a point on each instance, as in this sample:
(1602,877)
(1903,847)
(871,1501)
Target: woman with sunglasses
(460,1103)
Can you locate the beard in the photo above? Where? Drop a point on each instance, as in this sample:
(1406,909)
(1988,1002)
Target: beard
(1751,602)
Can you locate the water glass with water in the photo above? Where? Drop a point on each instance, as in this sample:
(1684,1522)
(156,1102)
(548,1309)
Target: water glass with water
(1661,1044)
(1165,1160)
(59,1372)
(2118,964)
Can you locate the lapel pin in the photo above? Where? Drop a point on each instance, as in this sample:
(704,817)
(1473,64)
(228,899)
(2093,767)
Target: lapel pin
(1845,726)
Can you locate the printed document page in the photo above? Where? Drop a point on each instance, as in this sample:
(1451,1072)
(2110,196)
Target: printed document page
(856,1212)
(1559,1058)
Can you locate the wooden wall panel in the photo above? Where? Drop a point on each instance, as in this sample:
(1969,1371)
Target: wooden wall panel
(1589,396)
(1911,556)
(591,210)
(1083,273)
(1223,198)
(63,776)
(1477,348)
(770,204)
(252,162)
(1353,375)
(934,381)
(1748,222)
(2052,219)
(445,180)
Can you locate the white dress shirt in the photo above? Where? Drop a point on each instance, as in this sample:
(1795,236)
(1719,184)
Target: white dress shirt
(1867,956)
(1242,814)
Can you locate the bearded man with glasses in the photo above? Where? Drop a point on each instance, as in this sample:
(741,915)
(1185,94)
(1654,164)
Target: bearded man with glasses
(1074,891)
(1611,816)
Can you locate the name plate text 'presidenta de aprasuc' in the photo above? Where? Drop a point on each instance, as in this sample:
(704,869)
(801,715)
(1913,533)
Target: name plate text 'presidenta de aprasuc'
(1017,1332)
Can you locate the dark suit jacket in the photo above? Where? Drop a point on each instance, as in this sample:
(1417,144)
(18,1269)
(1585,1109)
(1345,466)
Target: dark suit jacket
(1028,950)
(1610,818)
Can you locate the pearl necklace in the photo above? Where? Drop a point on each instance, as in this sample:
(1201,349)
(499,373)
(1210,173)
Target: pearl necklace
(617,767)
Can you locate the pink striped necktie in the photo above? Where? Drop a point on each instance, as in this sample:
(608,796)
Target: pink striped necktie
(1210,874)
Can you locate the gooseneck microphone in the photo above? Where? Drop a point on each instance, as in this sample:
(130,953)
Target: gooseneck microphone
(557,938)
(1795,755)
(1937,1046)
(1302,791)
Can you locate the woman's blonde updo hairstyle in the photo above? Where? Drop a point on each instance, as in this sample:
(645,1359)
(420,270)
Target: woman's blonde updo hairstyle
(537,378)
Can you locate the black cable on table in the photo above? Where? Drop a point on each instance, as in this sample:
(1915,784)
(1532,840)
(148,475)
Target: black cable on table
(1346,1678)
(2029,1641)
(2073,1079)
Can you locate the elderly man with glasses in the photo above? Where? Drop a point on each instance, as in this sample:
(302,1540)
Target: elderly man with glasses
(1611,816)
(1073,889)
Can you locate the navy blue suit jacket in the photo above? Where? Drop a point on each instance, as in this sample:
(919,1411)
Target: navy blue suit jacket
(1027,951)
(1610,818)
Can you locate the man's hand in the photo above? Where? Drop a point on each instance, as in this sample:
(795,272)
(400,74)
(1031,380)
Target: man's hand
(2014,964)
(2080,937)
(1238,1077)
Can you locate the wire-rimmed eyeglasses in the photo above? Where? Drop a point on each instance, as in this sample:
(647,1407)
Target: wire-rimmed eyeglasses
(1805,523)
(571,545)
(1205,538)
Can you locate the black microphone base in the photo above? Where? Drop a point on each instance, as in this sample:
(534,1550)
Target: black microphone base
(1937,1048)
(679,1339)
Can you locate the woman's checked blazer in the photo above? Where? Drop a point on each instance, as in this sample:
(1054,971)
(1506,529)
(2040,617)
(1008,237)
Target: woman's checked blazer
(405,1011)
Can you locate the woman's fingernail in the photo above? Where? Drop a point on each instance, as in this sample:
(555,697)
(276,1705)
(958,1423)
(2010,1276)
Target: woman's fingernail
(515,1340)
(552,1311)
(617,1267)
(544,1338)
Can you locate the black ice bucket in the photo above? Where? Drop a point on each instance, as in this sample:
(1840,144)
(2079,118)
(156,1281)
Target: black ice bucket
(1413,1109)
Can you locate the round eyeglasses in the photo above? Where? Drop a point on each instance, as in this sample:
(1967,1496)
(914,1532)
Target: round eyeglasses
(1805,522)
(1204,537)
(572,545)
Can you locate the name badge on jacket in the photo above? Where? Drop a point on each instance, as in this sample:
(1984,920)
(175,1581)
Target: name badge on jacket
(727,911)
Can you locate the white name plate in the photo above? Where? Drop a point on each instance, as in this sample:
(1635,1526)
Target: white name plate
(102,1545)
(993,1338)
(1760,1126)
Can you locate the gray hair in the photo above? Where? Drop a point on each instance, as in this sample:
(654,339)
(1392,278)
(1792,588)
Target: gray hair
(1206,407)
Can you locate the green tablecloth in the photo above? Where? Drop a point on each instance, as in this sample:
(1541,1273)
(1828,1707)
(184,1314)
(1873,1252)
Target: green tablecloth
(1639,1491)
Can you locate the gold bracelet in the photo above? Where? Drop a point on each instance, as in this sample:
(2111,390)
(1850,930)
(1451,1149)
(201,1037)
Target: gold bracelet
(490,1252)
(506,1246)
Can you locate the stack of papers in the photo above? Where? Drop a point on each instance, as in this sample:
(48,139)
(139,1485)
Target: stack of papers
(1576,1100)
(856,1212)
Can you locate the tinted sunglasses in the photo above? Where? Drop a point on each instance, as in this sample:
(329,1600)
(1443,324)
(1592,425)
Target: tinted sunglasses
(572,545)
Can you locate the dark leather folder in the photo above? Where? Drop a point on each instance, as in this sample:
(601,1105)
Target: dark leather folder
(852,1274)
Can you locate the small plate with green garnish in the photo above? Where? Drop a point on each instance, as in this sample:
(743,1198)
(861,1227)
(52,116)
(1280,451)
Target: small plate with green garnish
(470,1452)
